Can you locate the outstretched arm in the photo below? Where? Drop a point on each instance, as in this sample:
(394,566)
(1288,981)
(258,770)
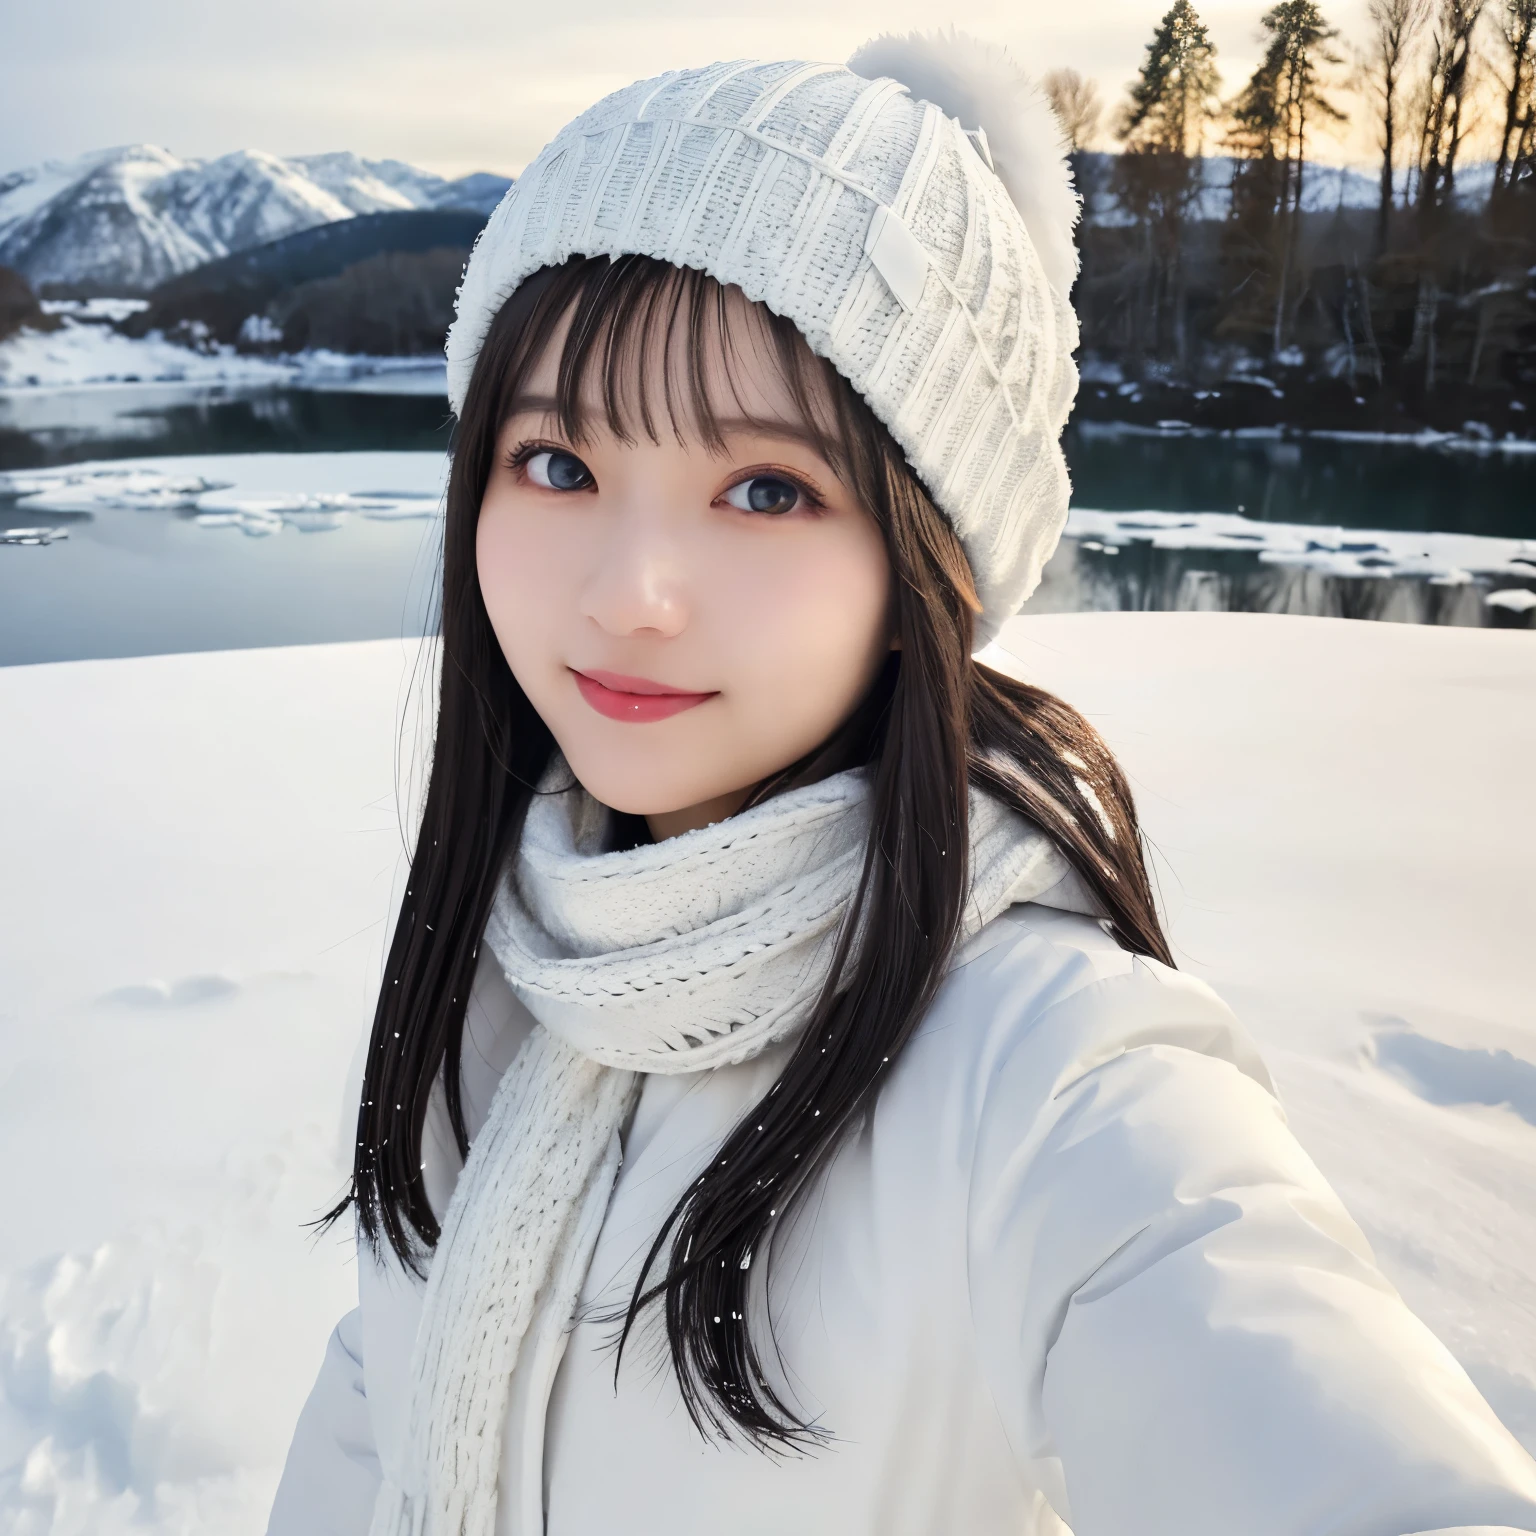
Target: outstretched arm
(1186,1333)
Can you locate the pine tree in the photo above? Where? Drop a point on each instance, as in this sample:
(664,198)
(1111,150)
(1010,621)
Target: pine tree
(1271,118)
(1159,176)
(1174,95)
(1276,109)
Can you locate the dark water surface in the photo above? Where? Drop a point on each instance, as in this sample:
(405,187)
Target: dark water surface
(1352,484)
(1399,486)
(130,421)
(151,583)
(132,582)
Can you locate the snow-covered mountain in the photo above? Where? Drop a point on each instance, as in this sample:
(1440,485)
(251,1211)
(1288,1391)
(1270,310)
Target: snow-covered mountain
(1325,188)
(126,219)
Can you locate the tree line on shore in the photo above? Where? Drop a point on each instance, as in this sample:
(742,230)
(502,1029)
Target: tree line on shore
(1214,289)
(1421,307)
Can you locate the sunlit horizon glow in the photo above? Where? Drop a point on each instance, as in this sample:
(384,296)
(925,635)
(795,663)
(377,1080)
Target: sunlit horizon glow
(465,86)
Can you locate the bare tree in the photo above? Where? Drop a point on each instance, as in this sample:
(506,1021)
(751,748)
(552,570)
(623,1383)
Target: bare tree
(1522,162)
(1395,24)
(1517,26)
(1446,95)
(1444,125)
(1077,105)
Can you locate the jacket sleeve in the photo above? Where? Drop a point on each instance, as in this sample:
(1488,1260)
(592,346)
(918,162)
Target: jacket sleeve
(332,1474)
(1184,1331)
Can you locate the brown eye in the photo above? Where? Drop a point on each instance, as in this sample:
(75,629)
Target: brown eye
(765,493)
(558,471)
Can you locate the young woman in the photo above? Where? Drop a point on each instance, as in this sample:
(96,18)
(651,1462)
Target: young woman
(781,1113)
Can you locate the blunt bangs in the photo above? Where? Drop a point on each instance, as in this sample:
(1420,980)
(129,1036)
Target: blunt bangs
(649,350)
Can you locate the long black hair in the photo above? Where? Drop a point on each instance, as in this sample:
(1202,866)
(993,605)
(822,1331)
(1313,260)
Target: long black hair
(934,722)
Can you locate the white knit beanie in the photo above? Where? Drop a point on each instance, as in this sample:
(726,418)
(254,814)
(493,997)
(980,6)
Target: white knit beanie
(911,214)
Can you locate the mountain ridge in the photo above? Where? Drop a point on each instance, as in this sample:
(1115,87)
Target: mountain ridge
(127,219)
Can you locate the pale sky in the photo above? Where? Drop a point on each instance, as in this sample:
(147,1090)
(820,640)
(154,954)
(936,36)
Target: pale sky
(461,85)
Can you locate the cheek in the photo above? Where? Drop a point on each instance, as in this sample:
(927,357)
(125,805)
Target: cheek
(811,629)
(521,566)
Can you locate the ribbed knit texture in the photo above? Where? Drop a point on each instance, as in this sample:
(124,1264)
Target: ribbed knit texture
(672,957)
(869,219)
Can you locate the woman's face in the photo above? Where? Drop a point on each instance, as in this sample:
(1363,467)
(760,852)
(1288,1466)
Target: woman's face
(687,621)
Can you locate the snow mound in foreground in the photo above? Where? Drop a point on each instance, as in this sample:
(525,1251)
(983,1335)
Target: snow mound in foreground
(202,851)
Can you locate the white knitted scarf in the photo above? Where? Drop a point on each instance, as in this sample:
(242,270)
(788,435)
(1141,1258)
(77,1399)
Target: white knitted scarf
(673,957)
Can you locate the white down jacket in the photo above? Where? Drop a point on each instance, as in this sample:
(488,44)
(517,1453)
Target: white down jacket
(1073,1270)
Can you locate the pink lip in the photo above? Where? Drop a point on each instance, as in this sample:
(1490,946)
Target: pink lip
(634,698)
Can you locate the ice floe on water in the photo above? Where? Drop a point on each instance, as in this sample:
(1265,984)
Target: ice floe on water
(1443,558)
(32,535)
(309,513)
(215,500)
(156,560)
(222,493)
(116,488)
(201,552)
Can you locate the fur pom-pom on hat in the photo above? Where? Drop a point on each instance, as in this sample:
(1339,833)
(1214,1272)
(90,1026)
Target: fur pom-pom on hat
(911,215)
(980,86)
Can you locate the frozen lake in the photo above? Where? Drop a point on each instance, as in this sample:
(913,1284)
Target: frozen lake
(146,519)
(1457,486)
(217,552)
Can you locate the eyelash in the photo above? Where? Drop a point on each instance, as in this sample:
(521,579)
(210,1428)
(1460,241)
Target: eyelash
(814,502)
(525,451)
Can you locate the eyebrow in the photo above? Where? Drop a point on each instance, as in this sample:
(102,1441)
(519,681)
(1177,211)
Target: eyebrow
(757,426)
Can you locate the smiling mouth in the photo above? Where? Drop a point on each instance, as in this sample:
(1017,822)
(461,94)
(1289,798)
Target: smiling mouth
(636,699)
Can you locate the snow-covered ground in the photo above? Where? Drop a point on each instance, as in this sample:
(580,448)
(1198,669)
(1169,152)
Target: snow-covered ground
(97,310)
(200,854)
(83,354)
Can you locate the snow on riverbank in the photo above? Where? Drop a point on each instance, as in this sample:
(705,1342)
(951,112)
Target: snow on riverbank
(80,354)
(1476,437)
(83,354)
(201,851)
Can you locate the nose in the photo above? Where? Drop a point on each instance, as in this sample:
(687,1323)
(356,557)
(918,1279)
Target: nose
(635,585)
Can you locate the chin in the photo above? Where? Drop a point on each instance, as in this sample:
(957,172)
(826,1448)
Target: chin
(636,789)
